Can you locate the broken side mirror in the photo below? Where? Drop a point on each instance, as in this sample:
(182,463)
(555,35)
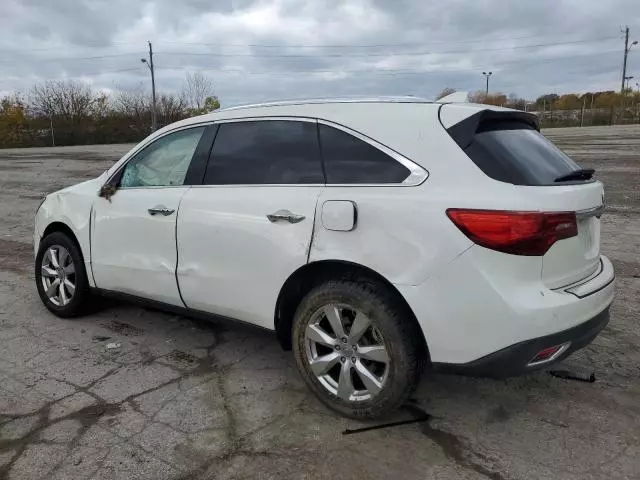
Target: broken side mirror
(107,191)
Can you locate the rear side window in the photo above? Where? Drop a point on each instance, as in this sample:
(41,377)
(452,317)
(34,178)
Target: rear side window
(514,152)
(348,159)
(265,152)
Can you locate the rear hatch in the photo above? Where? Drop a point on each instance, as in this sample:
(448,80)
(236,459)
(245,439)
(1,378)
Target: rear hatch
(508,147)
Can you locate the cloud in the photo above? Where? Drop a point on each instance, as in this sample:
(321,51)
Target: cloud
(268,49)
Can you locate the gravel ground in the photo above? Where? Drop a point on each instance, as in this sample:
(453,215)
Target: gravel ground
(180,399)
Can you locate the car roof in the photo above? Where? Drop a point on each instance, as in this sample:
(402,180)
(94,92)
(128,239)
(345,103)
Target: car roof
(300,107)
(331,109)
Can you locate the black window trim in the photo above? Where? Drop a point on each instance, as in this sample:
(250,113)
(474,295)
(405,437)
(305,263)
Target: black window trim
(288,118)
(114,178)
(417,174)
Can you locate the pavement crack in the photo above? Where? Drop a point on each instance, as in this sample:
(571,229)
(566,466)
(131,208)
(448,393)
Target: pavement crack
(152,389)
(232,423)
(453,446)
(22,443)
(87,416)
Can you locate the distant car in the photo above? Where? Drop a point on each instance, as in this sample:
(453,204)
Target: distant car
(376,237)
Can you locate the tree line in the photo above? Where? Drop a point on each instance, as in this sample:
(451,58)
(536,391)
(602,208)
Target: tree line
(600,108)
(68,112)
(553,101)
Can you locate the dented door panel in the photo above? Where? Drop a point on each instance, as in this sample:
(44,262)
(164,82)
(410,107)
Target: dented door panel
(238,245)
(133,250)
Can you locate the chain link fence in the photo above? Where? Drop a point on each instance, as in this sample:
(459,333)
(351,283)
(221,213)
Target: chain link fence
(589,117)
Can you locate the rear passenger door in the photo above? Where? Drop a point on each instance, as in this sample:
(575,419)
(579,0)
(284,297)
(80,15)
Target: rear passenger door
(242,233)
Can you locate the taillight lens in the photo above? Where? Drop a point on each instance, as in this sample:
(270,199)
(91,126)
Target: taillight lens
(517,233)
(549,353)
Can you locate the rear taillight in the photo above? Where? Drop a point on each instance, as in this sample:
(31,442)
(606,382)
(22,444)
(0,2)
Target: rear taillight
(517,233)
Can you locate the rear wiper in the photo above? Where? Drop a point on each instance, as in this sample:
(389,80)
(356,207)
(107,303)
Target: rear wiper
(582,174)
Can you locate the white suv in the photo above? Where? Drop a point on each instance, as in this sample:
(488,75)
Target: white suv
(374,237)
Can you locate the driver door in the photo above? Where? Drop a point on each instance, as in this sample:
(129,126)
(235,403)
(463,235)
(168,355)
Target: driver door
(133,234)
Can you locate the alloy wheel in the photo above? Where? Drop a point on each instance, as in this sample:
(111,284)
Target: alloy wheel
(58,275)
(346,353)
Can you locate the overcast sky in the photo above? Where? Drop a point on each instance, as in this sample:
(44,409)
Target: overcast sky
(257,50)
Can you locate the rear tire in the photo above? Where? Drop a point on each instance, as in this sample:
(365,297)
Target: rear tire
(371,366)
(61,278)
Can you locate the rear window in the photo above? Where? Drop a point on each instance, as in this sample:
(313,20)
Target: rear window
(514,152)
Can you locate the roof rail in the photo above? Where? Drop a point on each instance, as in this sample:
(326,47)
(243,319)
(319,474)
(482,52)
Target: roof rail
(381,99)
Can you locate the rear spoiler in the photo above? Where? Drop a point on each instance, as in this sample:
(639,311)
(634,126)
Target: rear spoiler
(455,97)
(463,131)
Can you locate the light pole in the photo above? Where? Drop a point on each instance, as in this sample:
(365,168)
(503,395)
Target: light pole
(53,138)
(154,122)
(627,49)
(487,75)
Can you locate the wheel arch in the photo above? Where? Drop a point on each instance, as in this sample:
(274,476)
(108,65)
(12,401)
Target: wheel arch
(312,274)
(62,227)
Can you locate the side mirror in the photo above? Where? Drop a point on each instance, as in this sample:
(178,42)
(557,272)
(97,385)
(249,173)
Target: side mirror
(107,191)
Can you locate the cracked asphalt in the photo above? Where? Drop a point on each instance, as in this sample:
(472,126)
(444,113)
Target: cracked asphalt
(180,399)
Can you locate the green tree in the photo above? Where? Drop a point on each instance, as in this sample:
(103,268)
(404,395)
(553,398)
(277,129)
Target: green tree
(569,101)
(211,104)
(546,101)
(196,90)
(606,99)
(13,122)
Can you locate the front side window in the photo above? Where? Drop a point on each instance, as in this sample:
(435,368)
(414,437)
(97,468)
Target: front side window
(349,160)
(265,152)
(164,163)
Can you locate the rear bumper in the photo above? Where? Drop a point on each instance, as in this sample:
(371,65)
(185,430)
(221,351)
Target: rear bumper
(482,303)
(514,360)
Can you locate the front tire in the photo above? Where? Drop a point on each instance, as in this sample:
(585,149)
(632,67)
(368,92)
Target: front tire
(357,347)
(61,278)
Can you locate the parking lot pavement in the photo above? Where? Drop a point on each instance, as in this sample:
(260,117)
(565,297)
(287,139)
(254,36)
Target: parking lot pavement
(130,393)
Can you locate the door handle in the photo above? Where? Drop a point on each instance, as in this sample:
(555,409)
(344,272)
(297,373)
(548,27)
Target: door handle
(285,215)
(160,210)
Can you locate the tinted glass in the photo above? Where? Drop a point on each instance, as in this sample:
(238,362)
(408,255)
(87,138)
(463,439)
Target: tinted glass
(265,152)
(515,153)
(348,159)
(164,162)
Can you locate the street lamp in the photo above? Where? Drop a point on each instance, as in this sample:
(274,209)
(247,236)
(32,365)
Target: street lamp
(626,52)
(635,42)
(487,75)
(626,79)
